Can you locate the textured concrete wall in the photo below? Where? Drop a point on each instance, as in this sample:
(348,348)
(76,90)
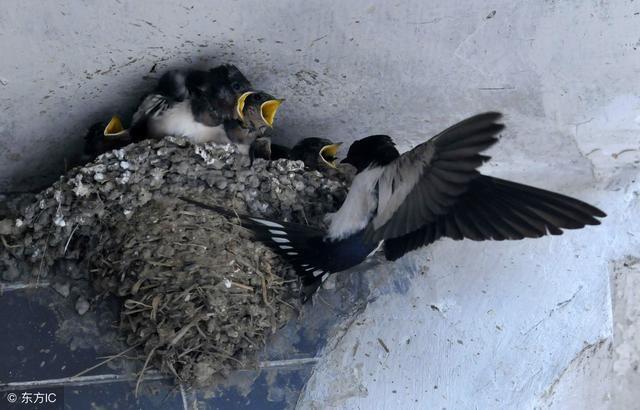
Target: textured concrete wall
(489,324)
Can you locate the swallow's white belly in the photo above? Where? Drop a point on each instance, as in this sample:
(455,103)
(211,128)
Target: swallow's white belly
(358,207)
(179,122)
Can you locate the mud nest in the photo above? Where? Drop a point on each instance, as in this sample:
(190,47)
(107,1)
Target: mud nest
(198,297)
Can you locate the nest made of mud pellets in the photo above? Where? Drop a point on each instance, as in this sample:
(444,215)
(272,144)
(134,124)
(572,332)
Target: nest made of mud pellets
(198,297)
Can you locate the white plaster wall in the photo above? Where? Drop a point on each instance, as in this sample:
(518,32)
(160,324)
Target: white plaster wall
(508,319)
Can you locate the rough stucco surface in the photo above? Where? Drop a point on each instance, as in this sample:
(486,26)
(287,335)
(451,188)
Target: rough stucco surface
(467,325)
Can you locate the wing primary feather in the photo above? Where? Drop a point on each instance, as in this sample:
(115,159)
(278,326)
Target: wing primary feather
(450,189)
(470,125)
(478,139)
(500,225)
(467,228)
(557,207)
(464,152)
(469,164)
(484,226)
(577,205)
(455,177)
(450,227)
(546,214)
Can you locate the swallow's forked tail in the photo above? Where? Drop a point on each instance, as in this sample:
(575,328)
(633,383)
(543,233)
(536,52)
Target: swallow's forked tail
(301,246)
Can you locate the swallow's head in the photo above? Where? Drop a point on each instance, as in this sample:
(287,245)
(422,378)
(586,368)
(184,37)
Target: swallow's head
(375,150)
(220,88)
(257,109)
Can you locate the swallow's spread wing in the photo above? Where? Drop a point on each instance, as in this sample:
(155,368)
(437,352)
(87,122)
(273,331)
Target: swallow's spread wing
(493,208)
(424,183)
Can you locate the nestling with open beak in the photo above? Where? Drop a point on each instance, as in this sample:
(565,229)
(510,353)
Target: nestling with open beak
(257,110)
(404,202)
(316,153)
(256,113)
(95,142)
(202,106)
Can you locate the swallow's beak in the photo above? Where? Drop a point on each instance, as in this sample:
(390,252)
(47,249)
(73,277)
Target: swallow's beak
(240,104)
(114,128)
(268,111)
(329,154)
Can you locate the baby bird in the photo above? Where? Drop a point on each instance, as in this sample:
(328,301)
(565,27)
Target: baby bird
(95,142)
(316,153)
(202,106)
(256,112)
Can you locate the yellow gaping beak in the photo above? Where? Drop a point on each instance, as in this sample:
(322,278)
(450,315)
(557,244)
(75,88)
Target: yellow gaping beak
(114,128)
(329,154)
(240,104)
(268,111)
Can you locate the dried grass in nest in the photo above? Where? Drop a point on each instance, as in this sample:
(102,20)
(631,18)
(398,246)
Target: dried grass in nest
(198,295)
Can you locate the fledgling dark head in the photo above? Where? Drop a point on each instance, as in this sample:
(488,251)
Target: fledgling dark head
(217,92)
(229,77)
(375,150)
(316,153)
(260,148)
(257,110)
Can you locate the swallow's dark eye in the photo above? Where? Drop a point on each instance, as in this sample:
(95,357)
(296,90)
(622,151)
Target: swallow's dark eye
(235,86)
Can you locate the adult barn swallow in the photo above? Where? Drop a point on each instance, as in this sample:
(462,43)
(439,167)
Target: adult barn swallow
(404,202)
